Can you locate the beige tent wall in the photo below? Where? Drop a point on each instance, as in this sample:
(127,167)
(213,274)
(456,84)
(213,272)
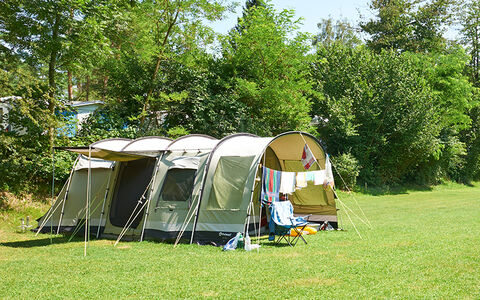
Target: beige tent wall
(75,202)
(314,199)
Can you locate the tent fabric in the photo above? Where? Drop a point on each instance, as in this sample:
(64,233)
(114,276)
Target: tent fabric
(199,184)
(105,154)
(133,179)
(193,142)
(229,182)
(95,163)
(147,146)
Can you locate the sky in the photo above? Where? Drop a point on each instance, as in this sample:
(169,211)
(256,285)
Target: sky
(312,11)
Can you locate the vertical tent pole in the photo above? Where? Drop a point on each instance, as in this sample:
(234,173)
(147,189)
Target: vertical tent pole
(200,194)
(148,197)
(103,204)
(261,187)
(53,189)
(66,195)
(87,213)
(250,208)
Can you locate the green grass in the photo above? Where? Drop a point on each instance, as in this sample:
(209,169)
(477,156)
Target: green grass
(424,244)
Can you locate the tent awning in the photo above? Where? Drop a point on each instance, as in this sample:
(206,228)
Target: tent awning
(106,154)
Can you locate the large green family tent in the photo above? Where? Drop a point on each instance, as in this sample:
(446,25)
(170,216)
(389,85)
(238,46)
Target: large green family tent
(197,187)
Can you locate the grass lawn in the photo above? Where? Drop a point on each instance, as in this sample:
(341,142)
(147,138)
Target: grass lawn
(424,244)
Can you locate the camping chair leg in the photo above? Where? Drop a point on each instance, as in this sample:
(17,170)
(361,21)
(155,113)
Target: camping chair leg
(284,237)
(299,235)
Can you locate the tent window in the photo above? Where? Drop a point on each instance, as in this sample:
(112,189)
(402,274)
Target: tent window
(229,182)
(178,185)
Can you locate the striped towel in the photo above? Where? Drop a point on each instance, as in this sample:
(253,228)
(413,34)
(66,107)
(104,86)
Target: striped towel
(270,186)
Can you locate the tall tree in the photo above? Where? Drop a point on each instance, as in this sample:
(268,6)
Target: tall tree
(42,33)
(331,31)
(267,69)
(408,25)
(469,16)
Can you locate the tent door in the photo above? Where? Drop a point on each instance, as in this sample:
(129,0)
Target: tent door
(133,179)
(175,199)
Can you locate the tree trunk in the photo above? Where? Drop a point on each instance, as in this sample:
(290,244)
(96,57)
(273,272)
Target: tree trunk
(51,79)
(87,89)
(105,84)
(70,86)
(157,65)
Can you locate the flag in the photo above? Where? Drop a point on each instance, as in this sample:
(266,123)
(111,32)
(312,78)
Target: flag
(307,157)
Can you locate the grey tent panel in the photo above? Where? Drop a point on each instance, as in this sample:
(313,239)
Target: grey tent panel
(133,179)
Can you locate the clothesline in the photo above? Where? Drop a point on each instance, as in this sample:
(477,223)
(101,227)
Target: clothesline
(275,182)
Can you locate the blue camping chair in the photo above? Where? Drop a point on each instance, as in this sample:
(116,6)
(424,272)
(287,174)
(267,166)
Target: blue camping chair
(283,221)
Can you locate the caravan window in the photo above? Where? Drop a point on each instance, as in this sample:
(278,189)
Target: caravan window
(178,185)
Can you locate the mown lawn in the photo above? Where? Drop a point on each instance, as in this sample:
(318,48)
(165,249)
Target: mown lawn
(424,244)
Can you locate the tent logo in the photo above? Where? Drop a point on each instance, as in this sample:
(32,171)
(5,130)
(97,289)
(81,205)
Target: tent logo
(224,234)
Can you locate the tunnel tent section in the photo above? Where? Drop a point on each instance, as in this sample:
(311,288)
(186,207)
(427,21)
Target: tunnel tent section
(69,206)
(176,187)
(314,199)
(230,196)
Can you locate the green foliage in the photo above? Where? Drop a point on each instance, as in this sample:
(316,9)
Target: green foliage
(336,32)
(268,71)
(408,25)
(346,171)
(397,113)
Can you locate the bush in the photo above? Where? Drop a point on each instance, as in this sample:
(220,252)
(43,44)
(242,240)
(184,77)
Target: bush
(346,167)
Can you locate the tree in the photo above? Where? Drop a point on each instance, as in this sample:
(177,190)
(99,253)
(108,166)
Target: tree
(408,25)
(336,32)
(398,115)
(49,35)
(469,17)
(267,71)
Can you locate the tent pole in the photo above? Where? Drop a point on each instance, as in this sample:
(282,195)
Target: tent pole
(87,215)
(197,207)
(184,225)
(250,208)
(148,197)
(261,187)
(200,195)
(47,216)
(53,189)
(130,220)
(66,195)
(107,190)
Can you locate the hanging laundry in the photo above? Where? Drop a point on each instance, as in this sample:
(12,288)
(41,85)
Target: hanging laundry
(301,180)
(310,176)
(319,177)
(270,186)
(287,182)
(307,157)
(328,172)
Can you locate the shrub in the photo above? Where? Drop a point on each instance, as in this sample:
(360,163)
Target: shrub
(346,167)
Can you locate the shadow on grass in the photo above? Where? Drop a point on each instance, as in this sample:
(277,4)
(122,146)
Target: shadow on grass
(37,242)
(392,190)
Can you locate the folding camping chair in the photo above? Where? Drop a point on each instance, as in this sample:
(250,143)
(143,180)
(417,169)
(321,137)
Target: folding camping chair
(281,213)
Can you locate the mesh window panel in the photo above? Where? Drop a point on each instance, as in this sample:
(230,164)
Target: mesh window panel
(178,185)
